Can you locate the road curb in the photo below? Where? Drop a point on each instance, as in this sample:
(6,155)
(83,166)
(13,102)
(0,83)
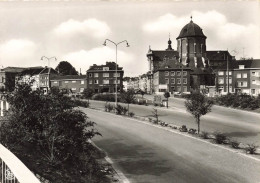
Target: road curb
(142,120)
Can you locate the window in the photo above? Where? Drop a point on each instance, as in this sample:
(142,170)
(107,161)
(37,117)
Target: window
(95,81)
(220,81)
(253,74)
(242,84)
(178,81)
(55,82)
(220,73)
(229,73)
(230,80)
(184,73)
(238,75)
(81,89)
(105,75)
(253,82)
(252,91)
(241,66)
(244,75)
(96,75)
(82,82)
(172,73)
(184,80)
(166,81)
(172,81)
(73,89)
(118,81)
(194,47)
(73,81)
(90,75)
(105,68)
(178,73)
(105,81)
(166,73)
(90,81)
(66,82)
(116,74)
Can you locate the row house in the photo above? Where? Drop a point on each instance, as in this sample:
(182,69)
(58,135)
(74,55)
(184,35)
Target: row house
(241,76)
(103,78)
(72,84)
(38,77)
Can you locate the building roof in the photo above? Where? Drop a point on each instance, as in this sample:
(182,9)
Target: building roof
(218,55)
(234,64)
(191,30)
(13,69)
(160,55)
(110,65)
(32,70)
(68,77)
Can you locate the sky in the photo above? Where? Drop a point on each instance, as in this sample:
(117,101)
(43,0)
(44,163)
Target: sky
(75,31)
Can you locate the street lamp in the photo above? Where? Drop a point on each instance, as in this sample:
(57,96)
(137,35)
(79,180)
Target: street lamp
(116,44)
(48,58)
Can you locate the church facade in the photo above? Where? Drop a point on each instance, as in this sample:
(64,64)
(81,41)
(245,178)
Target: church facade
(190,58)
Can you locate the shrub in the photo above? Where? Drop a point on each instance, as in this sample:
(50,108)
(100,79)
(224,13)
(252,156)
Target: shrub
(119,109)
(131,114)
(235,144)
(155,104)
(109,107)
(204,135)
(106,97)
(124,110)
(183,128)
(251,148)
(150,119)
(192,131)
(220,138)
(81,103)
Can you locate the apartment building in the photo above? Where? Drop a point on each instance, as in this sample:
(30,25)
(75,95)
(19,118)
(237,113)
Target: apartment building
(102,78)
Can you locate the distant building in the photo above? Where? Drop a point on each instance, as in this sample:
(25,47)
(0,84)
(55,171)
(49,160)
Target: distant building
(102,78)
(244,77)
(7,77)
(38,77)
(70,83)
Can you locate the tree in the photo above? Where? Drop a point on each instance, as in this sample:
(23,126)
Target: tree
(88,93)
(197,104)
(128,97)
(48,133)
(167,95)
(65,68)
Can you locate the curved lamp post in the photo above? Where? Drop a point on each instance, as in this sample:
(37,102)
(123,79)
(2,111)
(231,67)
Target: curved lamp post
(116,44)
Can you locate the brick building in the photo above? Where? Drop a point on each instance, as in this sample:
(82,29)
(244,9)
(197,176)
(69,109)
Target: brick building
(70,83)
(244,77)
(102,78)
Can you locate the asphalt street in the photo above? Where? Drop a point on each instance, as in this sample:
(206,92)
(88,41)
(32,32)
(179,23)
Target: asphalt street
(239,125)
(147,154)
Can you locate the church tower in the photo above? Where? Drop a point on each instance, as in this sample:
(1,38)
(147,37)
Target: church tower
(191,45)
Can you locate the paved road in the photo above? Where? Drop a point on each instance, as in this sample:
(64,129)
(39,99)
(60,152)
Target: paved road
(147,154)
(237,124)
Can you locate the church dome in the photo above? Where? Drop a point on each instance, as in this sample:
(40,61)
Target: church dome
(191,30)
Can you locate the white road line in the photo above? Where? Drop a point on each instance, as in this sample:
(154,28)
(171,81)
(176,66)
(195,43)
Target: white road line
(176,132)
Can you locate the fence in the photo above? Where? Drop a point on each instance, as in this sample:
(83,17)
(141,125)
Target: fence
(12,170)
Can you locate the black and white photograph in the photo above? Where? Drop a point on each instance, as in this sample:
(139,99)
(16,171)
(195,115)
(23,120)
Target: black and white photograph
(131,91)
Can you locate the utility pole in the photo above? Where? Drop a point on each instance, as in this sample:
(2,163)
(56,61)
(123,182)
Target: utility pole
(227,73)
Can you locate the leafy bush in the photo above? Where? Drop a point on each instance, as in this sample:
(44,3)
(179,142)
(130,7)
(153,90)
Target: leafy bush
(106,97)
(109,107)
(251,148)
(183,128)
(235,144)
(220,138)
(192,131)
(204,135)
(131,114)
(124,110)
(81,103)
(119,109)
